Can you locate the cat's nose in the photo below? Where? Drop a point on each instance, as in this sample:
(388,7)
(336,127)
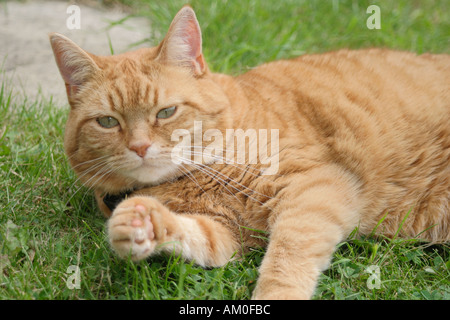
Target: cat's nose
(140,149)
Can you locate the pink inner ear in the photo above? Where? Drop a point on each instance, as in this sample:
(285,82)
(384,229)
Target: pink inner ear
(67,74)
(194,39)
(74,64)
(183,43)
(66,71)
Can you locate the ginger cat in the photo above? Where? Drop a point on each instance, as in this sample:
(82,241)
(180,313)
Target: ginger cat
(363,137)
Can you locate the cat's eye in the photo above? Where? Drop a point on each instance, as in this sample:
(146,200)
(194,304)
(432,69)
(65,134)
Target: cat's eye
(107,122)
(166,113)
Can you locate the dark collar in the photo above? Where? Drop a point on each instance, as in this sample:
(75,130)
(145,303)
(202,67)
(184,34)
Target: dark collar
(112,200)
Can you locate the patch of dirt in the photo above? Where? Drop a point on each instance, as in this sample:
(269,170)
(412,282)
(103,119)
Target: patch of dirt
(26,57)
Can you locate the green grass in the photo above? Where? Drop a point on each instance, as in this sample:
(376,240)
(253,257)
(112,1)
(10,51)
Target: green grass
(48,222)
(238,35)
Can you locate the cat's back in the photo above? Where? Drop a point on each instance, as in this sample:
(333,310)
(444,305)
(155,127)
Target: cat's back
(363,77)
(365,93)
(369,95)
(382,115)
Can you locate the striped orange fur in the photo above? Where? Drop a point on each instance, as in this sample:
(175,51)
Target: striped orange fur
(364,137)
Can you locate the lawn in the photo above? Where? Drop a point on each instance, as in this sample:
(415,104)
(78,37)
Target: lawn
(49,224)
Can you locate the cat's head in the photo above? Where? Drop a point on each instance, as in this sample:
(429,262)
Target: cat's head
(124,108)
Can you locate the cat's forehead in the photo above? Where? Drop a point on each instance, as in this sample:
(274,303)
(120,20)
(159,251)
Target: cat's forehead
(131,89)
(129,65)
(135,81)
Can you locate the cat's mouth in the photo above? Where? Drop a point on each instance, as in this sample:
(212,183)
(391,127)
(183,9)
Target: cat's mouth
(153,171)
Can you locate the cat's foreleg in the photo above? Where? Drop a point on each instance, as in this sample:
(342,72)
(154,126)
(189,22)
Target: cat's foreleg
(316,216)
(141,226)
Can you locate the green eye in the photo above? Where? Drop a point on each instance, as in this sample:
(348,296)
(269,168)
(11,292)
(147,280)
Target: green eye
(107,122)
(166,113)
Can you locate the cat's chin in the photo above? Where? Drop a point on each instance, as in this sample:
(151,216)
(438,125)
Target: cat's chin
(152,175)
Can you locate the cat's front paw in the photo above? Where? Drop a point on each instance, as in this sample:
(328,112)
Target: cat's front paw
(137,226)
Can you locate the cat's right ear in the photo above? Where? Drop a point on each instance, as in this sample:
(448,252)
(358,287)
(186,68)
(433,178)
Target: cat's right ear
(182,45)
(75,64)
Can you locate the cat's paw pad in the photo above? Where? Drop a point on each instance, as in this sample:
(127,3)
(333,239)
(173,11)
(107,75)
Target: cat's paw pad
(136,227)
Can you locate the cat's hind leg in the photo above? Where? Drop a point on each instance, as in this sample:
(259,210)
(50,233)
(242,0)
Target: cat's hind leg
(141,226)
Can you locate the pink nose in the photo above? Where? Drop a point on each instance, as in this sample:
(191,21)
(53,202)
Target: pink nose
(140,149)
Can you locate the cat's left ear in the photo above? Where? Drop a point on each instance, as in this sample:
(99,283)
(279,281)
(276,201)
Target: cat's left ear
(75,65)
(182,45)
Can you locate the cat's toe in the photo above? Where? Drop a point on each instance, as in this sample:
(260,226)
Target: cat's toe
(144,229)
(131,231)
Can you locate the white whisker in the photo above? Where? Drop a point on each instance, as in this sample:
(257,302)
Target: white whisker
(230,163)
(203,168)
(227,177)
